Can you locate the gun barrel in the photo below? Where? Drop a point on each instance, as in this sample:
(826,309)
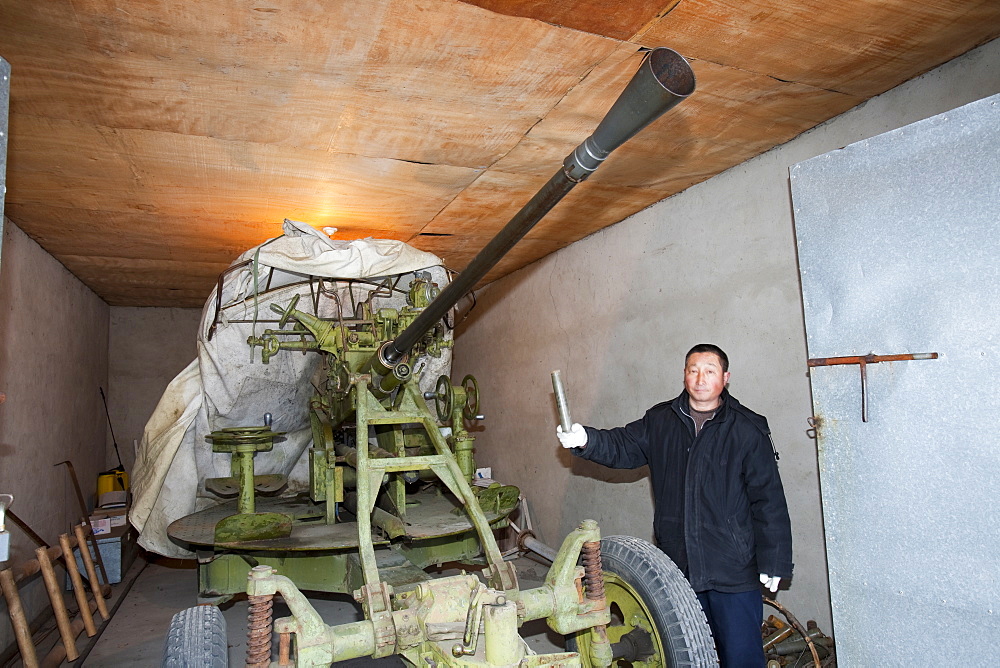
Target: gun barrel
(663,80)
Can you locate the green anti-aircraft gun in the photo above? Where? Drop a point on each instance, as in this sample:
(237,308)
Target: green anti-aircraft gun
(391,491)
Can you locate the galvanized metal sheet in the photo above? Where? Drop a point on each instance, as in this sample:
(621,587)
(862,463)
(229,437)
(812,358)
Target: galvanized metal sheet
(4,105)
(899,242)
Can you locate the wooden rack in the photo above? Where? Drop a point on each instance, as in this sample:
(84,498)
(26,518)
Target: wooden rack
(10,578)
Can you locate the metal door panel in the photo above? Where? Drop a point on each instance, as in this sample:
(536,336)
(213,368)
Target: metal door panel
(4,104)
(899,245)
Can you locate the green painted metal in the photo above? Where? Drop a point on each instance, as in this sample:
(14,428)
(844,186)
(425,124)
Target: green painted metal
(406,613)
(370,392)
(461,548)
(309,549)
(500,631)
(242,443)
(318,465)
(464,405)
(501,499)
(244,460)
(635,613)
(457,620)
(242,527)
(312,647)
(225,574)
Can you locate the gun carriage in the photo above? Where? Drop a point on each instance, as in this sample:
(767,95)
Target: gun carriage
(390,487)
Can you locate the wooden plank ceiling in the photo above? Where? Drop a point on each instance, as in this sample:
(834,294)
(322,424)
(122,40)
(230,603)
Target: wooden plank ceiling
(151,142)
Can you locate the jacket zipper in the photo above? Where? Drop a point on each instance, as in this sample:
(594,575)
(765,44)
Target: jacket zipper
(690,507)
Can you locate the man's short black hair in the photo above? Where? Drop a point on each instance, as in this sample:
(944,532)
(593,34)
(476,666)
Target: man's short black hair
(709,348)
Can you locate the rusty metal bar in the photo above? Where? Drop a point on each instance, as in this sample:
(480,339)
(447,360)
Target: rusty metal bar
(284,647)
(68,630)
(17,619)
(58,604)
(78,591)
(86,518)
(88,564)
(871,359)
(797,625)
(863,361)
(218,296)
(23,526)
(777,637)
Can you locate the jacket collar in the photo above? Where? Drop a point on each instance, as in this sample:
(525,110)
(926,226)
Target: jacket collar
(682,405)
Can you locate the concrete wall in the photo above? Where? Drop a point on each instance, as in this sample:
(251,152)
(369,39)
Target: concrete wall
(61,343)
(148,347)
(53,359)
(618,310)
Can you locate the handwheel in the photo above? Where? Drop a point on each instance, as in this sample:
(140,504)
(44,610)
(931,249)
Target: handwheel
(287,312)
(470,411)
(443,397)
(656,619)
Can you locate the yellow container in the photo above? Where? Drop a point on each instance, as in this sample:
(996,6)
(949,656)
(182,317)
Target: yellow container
(112,489)
(112,481)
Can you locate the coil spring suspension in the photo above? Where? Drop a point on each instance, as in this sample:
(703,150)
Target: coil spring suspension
(593,572)
(259,625)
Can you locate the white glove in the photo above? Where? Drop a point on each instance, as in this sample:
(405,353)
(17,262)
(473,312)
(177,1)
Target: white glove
(576,437)
(770,582)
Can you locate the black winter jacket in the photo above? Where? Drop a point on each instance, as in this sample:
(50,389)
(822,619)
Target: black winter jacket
(719,507)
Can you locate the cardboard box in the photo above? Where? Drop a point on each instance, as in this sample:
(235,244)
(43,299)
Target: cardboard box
(100,525)
(113,499)
(117,516)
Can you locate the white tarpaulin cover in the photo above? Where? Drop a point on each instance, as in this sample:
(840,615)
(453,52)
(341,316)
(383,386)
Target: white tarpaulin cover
(229,386)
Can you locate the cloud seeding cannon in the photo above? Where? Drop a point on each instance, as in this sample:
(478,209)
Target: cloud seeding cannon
(399,497)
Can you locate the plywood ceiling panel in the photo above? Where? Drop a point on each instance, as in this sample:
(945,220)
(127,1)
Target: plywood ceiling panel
(122,277)
(457,253)
(860,47)
(70,231)
(486,206)
(734,111)
(151,143)
(175,67)
(183,175)
(181,274)
(621,19)
(453,84)
(738,116)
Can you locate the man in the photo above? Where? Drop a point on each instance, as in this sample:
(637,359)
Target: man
(719,507)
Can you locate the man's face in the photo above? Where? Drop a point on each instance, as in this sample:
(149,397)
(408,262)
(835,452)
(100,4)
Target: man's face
(704,380)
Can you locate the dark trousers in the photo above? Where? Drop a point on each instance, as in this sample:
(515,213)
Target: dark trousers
(735,621)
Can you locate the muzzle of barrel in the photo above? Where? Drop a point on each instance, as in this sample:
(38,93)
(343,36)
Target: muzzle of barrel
(663,80)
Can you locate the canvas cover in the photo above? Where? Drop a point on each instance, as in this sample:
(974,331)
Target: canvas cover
(228,385)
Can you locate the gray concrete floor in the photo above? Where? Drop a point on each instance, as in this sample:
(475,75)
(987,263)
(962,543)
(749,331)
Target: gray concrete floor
(161,587)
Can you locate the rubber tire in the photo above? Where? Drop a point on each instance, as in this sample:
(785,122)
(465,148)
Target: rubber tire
(197,639)
(674,610)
